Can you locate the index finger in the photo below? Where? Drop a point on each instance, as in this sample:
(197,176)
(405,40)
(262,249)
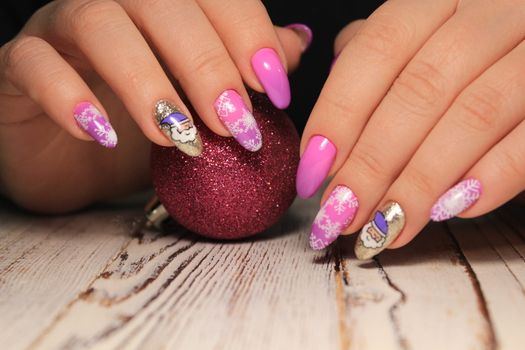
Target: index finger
(362,75)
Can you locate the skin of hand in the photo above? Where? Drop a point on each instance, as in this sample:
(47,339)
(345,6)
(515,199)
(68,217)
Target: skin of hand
(112,61)
(420,119)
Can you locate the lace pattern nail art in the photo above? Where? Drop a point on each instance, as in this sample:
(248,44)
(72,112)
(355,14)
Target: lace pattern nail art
(456,200)
(234,114)
(335,215)
(90,119)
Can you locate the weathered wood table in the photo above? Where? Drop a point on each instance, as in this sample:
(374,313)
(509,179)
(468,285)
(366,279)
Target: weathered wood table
(92,280)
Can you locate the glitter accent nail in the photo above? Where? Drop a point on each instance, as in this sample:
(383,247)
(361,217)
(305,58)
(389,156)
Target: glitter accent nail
(382,230)
(456,200)
(178,128)
(90,119)
(334,216)
(234,114)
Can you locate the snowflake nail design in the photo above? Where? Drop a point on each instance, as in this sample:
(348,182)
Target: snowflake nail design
(334,216)
(91,120)
(234,114)
(382,230)
(456,200)
(178,128)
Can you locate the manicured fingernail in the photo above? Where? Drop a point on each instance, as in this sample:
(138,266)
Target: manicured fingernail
(314,166)
(304,32)
(178,128)
(377,235)
(456,200)
(272,75)
(91,120)
(234,114)
(334,216)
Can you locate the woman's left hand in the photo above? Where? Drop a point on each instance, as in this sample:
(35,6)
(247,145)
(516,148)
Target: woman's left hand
(424,107)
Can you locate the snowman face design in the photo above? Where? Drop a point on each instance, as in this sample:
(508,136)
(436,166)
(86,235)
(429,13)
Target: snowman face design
(372,237)
(180,128)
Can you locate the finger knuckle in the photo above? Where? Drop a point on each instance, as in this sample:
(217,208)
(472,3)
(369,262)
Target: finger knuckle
(83,17)
(383,36)
(141,6)
(245,23)
(420,182)
(511,165)
(420,88)
(206,64)
(139,77)
(365,159)
(16,51)
(480,109)
(338,105)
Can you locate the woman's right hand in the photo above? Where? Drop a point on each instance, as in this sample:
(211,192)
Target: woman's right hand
(76,62)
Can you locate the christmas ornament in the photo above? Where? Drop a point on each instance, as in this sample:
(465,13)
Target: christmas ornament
(229,192)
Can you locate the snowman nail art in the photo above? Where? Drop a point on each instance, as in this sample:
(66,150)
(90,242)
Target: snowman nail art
(178,128)
(456,200)
(377,235)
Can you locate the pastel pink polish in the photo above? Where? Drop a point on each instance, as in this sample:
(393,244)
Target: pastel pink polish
(238,119)
(90,119)
(272,75)
(304,32)
(336,214)
(314,166)
(456,200)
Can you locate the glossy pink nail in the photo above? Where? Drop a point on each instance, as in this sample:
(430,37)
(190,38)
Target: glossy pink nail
(336,214)
(456,200)
(304,32)
(272,75)
(234,114)
(90,119)
(314,166)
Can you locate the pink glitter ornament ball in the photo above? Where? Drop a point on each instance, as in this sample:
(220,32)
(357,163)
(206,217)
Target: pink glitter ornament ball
(228,192)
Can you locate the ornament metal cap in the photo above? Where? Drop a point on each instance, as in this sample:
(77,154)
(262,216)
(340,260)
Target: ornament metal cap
(155,213)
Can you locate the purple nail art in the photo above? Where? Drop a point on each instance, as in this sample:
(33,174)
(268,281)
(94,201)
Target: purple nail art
(91,120)
(237,118)
(304,32)
(314,166)
(270,71)
(456,200)
(334,216)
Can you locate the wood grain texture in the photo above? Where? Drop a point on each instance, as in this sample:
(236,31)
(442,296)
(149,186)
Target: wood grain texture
(86,281)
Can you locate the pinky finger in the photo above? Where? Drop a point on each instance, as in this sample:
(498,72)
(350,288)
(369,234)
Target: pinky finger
(36,70)
(495,179)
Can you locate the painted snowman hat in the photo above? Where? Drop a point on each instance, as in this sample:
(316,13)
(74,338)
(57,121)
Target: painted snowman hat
(175,119)
(380,224)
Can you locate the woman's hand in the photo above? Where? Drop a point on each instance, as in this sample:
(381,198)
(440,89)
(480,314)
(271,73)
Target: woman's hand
(82,69)
(424,107)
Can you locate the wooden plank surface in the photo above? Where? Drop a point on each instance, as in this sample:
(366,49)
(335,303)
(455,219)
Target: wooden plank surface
(92,281)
